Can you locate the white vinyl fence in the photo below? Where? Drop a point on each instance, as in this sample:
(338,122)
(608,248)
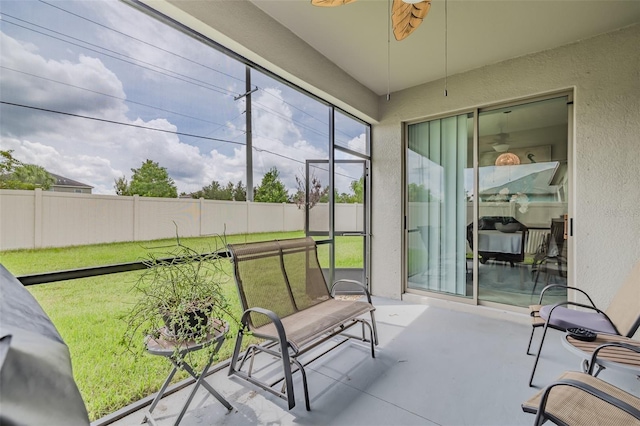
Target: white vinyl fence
(34,219)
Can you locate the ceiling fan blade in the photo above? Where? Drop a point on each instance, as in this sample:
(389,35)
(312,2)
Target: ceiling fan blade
(330,3)
(406,17)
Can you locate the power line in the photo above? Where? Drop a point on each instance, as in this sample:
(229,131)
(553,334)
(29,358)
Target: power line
(284,117)
(140,40)
(184,58)
(104,120)
(185,78)
(258,149)
(159,70)
(302,111)
(292,106)
(116,97)
(205,85)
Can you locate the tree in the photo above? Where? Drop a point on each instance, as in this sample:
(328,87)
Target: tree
(7,162)
(150,180)
(33,175)
(357,186)
(216,191)
(7,165)
(240,192)
(325,197)
(271,189)
(356,196)
(316,192)
(417,192)
(122,186)
(14,174)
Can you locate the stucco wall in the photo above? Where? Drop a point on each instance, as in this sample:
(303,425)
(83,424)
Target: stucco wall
(605,73)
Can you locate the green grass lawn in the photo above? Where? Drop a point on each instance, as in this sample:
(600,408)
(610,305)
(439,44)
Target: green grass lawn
(87,313)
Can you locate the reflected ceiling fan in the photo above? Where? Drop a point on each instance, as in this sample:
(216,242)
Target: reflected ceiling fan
(406,15)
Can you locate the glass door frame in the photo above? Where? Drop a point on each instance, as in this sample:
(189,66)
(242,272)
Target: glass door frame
(364,159)
(332,233)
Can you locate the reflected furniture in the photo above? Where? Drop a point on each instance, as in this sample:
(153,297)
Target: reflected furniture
(622,316)
(578,398)
(287,304)
(550,258)
(500,238)
(164,345)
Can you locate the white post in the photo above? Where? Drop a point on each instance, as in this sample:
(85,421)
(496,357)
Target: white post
(136,217)
(37,218)
(201,209)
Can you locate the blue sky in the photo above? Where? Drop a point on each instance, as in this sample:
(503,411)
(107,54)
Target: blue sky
(109,61)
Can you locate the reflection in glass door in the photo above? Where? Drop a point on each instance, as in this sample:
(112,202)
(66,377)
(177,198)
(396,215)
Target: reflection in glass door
(437,156)
(522,201)
(487,207)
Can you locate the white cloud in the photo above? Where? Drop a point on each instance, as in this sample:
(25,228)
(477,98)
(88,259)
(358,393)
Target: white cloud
(358,143)
(28,79)
(90,151)
(96,152)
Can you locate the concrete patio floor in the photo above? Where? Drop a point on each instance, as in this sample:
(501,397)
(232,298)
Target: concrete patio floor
(438,364)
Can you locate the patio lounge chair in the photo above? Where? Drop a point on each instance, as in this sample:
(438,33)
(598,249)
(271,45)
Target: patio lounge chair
(622,316)
(577,398)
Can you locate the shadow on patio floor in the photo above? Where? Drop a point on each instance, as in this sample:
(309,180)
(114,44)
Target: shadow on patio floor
(433,366)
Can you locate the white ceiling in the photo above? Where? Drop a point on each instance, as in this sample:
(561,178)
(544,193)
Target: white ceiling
(355,36)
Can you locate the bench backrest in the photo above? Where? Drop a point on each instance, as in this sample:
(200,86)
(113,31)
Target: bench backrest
(283,276)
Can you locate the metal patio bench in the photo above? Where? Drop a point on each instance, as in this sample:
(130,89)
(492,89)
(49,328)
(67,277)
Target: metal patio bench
(287,304)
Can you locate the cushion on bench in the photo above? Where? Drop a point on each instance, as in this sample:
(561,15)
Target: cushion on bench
(306,325)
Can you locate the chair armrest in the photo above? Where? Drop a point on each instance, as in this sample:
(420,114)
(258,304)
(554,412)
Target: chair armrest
(358,283)
(550,286)
(586,388)
(581,305)
(623,345)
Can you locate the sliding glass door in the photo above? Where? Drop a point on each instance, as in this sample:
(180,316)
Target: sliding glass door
(522,201)
(487,216)
(437,156)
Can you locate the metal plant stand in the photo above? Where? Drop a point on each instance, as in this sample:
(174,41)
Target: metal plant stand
(164,346)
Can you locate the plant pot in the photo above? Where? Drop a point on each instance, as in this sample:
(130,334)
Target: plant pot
(188,325)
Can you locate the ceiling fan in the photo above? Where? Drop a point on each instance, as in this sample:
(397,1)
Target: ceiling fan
(406,15)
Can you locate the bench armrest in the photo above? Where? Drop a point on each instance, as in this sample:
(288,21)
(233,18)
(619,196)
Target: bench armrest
(275,319)
(358,283)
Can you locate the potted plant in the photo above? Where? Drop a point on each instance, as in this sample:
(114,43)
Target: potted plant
(181,297)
